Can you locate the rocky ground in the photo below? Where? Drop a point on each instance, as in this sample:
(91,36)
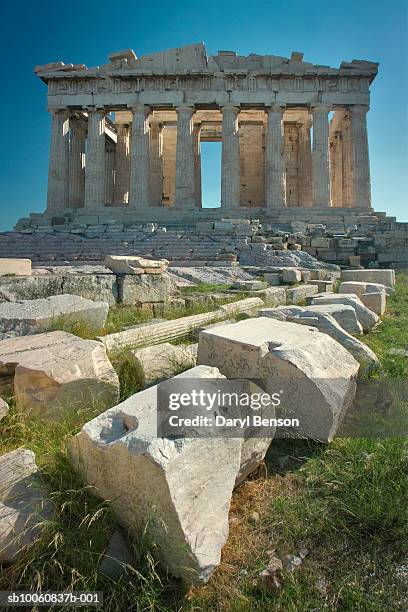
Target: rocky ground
(208,524)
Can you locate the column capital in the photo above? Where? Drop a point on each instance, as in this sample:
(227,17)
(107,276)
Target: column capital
(140,108)
(319,107)
(230,107)
(185,107)
(275,108)
(359,108)
(54,110)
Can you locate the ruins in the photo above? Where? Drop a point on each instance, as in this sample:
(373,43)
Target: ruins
(126,135)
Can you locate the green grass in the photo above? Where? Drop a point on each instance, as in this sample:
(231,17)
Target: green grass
(393,332)
(346,503)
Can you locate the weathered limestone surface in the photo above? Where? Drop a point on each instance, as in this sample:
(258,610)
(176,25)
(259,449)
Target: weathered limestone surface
(297,294)
(291,275)
(345,315)
(154,333)
(91,286)
(95,287)
(272,296)
(122,264)
(36,316)
(55,372)
(4,408)
(178,490)
(161,361)
(144,288)
(375,301)
(366,317)
(384,277)
(248,285)
(328,325)
(270,351)
(23,503)
(15,267)
(359,287)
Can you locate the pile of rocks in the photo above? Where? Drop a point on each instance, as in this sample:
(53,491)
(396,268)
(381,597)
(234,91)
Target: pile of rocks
(179,490)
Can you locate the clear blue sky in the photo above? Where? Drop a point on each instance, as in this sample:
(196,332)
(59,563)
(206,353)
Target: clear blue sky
(86,32)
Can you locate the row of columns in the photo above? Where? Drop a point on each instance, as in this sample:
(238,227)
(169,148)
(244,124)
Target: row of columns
(138,160)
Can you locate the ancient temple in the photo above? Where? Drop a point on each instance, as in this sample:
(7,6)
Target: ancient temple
(125,136)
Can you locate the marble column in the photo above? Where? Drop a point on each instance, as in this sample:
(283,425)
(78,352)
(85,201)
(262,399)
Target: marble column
(57,197)
(76,188)
(185,181)
(197,165)
(305,164)
(156,164)
(139,196)
(336,169)
(275,180)
(95,160)
(122,165)
(320,156)
(230,162)
(347,160)
(361,164)
(109,172)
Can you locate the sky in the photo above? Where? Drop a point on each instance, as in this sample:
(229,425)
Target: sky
(326,31)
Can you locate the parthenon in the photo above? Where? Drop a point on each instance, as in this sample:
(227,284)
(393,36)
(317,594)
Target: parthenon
(126,135)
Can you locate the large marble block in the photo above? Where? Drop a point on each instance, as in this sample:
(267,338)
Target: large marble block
(57,372)
(317,375)
(176,490)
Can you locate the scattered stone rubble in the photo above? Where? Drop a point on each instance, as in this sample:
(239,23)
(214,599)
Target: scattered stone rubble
(178,490)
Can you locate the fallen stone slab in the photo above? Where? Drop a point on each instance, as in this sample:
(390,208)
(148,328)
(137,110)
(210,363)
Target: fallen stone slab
(15,267)
(4,409)
(128,264)
(273,278)
(176,491)
(35,316)
(272,296)
(13,289)
(92,286)
(291,275)
(367,318)
(55,372)
(250,285)
(144,288)
(97,287)
(358,288)
(300,293)
(176,328)
(344,315)
(328,325)
(384,277)
(161,361)
(280,353)
(375,301)
(23,503)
